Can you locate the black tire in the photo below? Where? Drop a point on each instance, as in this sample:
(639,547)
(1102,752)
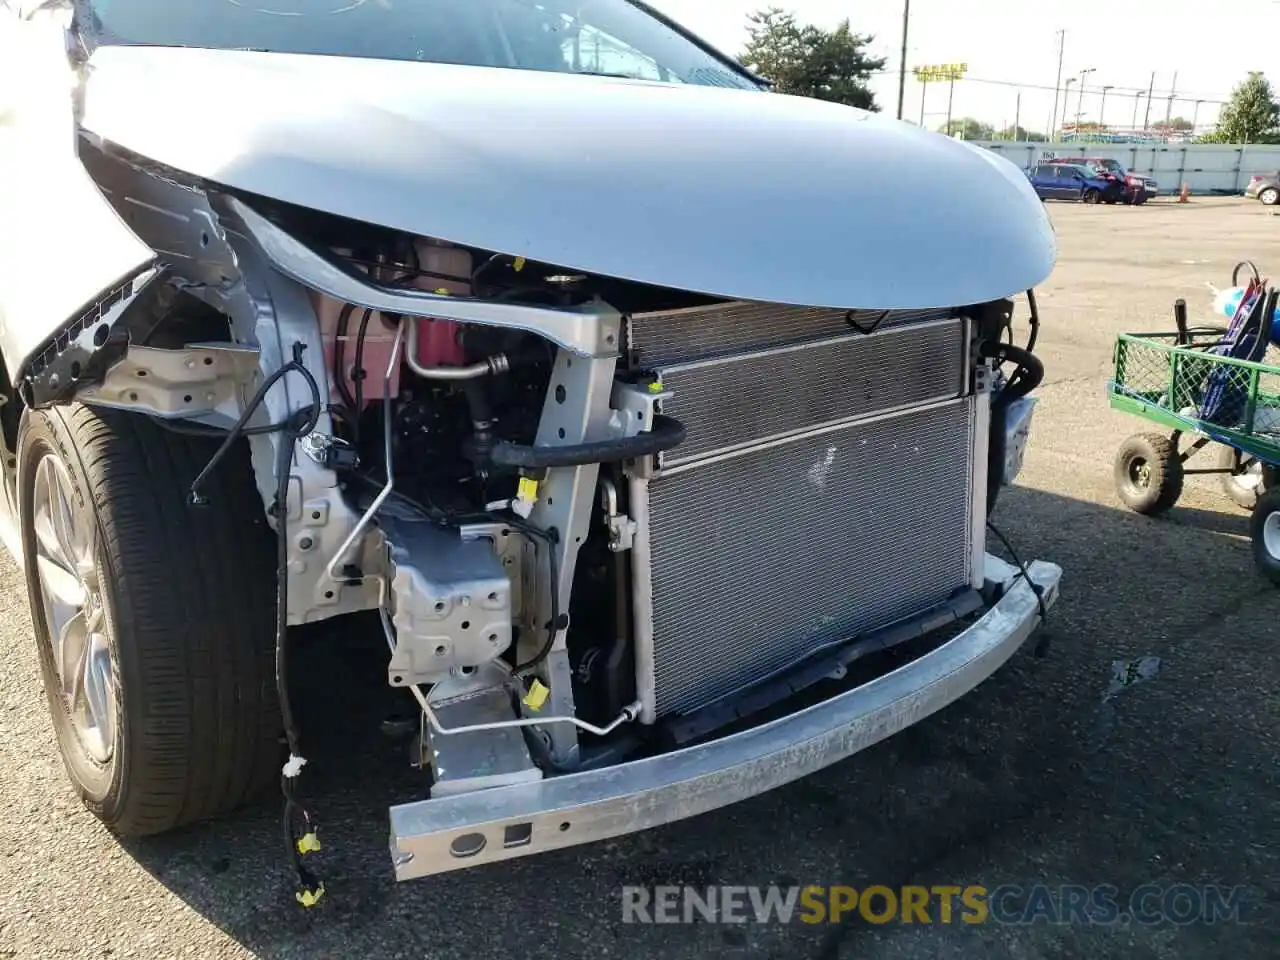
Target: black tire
(1249,480)
(1264,531)
(1090,196)
(185,609)
(1148,473)
(1269,197)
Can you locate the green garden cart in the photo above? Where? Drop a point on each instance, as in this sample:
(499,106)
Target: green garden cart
(1206,386)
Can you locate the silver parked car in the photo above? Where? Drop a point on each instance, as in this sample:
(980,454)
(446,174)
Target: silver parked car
(612,380)
(1265,188)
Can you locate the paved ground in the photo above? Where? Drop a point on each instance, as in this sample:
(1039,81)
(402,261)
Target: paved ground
(1032,778)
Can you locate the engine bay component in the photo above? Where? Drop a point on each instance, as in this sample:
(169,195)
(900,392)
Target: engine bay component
(450,599)
(490,751)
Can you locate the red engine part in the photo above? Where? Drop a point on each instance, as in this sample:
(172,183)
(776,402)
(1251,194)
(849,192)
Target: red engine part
(439,343)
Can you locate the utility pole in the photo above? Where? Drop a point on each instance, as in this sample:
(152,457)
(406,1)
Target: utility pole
(902,70)
(1195,117)
(1080,98)
(1146,119)
(1017,116)
(923,75)
(1168,110)
(1066,93)
(1102,110)
(1062,43)
(1136,98)
(951,94)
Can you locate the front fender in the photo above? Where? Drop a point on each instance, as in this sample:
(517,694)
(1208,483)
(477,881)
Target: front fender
(62,248)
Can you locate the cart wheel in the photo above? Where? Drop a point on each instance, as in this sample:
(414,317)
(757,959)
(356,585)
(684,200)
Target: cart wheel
(1148,473)
(1265,532)
(1249,478)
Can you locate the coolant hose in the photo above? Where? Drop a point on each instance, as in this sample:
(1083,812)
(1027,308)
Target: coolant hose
(667,434)
(477,395)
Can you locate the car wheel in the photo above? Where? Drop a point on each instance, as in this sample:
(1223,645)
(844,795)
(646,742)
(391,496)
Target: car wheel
(154,620)
(1248,478)
(1264,532)
(1148,473)
(1269,197)
(1090,195)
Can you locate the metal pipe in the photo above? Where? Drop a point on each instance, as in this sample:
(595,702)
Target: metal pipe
(498,363)
(381,498)
(642,601)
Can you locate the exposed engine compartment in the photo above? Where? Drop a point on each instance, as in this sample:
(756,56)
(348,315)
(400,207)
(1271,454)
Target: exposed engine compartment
(557,507)
(466,402)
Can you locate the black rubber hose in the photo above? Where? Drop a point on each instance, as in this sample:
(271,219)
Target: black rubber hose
(477,393)
(1035,320)
(1026,378)
(667,434)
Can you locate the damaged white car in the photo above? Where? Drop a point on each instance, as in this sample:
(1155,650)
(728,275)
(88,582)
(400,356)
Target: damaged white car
(601,371)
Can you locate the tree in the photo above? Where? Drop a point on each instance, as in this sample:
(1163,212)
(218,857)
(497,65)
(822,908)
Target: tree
(1019,133)
(1176,125)
(1252,115)
(967,128)
(807,61)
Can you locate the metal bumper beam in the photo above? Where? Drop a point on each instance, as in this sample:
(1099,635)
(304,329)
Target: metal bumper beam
(455,832)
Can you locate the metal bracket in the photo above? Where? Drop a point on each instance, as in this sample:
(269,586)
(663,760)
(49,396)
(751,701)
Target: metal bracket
(622,529)
(201,380)
(634,407)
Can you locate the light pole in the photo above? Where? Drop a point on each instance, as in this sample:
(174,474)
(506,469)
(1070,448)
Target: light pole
(1080,97)
(1151,90)
(1057,84)
(1102,110)
(902,70)
(1195,116)
(1066,94)
(1137,98)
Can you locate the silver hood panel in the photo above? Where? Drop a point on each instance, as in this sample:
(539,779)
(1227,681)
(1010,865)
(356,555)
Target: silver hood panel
(752,196)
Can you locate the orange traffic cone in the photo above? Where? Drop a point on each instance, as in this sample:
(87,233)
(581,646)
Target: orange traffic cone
(1185,193)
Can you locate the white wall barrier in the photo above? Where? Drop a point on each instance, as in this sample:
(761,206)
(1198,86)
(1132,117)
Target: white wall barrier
(1207,168)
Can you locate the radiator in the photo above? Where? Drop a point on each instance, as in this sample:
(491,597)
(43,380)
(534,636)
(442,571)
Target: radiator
(826,489)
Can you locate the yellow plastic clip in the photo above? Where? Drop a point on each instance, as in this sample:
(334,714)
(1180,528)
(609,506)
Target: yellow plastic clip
(308,843)
(309,898)
(527,489)
(656,386)
(442,292)
(537,695)
(518,264)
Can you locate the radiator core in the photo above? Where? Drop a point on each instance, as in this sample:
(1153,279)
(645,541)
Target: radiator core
(826,489)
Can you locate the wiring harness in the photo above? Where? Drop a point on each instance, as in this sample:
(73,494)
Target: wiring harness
(299,827)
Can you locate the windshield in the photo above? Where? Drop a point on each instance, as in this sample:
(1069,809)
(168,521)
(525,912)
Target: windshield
(609,37)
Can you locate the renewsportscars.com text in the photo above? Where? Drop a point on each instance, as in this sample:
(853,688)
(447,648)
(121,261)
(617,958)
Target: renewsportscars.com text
(1009,904)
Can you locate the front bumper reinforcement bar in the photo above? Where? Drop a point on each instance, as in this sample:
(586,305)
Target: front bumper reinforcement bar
(454,832)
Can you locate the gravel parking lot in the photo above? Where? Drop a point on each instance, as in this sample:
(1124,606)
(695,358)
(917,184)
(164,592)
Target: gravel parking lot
(1037,777)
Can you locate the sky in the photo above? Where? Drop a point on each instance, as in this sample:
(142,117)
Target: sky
(1015,42)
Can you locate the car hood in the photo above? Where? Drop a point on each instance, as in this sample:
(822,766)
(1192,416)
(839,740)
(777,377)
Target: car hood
(741,194)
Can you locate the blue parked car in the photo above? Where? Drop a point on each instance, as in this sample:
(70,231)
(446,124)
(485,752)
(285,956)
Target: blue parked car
(1071,181)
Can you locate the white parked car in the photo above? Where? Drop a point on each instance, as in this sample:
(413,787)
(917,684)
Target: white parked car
(611,379)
